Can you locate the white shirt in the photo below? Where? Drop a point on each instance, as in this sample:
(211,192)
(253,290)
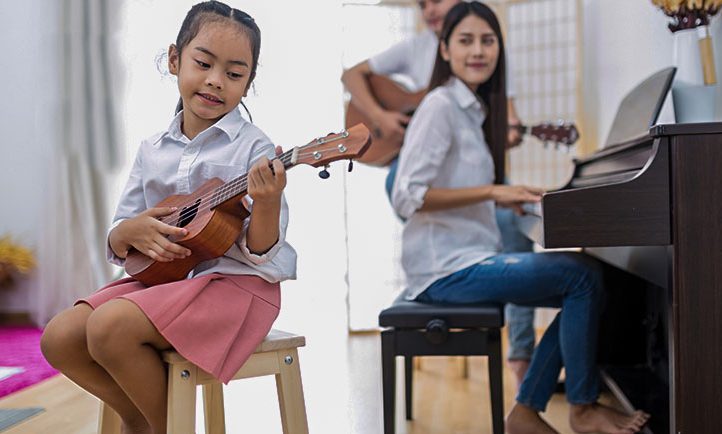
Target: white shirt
(414,58)
(169,163)
(444,148)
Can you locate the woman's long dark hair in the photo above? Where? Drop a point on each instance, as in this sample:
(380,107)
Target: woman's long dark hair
(492,92)
(211,11)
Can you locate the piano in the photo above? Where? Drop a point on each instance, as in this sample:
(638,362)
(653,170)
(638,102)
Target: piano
(650,208)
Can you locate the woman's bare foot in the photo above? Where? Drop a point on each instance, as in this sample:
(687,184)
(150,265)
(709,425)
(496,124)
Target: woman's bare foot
(523,419)
(598,418)
(140,427)
(519,368)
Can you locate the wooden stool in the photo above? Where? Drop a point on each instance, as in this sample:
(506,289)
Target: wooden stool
(276,355)
(421,329)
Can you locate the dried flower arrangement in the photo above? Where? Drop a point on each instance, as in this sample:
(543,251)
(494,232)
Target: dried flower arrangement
(690,14)
(14,258)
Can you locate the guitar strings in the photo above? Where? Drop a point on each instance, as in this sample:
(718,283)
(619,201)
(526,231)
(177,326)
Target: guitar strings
(238,184)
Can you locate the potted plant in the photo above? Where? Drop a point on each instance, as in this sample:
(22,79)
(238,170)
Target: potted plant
(14,259)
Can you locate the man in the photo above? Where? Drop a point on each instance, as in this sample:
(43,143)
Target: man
(414,58)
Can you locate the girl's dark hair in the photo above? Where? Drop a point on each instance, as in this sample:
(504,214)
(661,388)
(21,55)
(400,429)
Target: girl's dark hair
(492,92)
(215,11)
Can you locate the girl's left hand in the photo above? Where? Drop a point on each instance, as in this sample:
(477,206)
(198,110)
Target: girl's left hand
(266,185)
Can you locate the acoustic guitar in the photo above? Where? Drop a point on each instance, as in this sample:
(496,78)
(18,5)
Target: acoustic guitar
(393,97)
(214,213)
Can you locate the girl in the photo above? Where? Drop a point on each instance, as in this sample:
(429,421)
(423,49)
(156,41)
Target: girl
(445,189)
(109,342)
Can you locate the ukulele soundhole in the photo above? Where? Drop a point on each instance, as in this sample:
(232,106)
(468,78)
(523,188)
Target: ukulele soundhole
(188,213)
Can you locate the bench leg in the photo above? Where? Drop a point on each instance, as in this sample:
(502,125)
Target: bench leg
(290,393)
(213,408)
(409,383)
(108,421)
(495,381)
(388,376)
(182,398)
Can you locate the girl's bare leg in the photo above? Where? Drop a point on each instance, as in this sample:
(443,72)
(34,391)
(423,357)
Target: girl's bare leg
(124,342)
(64,345)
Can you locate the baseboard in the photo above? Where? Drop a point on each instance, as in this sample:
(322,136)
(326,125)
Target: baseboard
(15,318)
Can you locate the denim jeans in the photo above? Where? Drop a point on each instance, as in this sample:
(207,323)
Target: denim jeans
(567,280)
(519,319)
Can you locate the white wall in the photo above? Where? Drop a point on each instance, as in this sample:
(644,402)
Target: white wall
(623,43)
(28,112)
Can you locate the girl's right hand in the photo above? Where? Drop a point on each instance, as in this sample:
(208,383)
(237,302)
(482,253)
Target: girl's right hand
(513,196)
(149,236)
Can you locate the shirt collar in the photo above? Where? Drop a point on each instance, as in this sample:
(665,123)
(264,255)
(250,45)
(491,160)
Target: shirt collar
(462,94)
(230,124)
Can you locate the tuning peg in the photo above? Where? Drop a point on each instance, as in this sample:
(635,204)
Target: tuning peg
(350,165)
(324,173)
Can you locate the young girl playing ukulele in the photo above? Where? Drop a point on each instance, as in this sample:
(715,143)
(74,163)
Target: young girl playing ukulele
(109,343)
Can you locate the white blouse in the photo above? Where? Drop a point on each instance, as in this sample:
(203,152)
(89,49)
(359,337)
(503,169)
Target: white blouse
(169,163)
(444,147)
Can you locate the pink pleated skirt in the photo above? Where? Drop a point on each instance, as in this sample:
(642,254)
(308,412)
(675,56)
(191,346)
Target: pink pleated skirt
(215,321)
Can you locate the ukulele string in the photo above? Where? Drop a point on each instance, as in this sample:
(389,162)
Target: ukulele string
(237,185)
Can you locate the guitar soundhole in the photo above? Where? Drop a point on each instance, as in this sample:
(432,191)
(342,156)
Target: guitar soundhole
(188,213)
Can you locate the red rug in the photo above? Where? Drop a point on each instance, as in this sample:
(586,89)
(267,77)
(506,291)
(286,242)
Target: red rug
(21,363)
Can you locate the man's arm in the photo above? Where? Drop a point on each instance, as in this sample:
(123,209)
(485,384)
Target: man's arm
(385,123)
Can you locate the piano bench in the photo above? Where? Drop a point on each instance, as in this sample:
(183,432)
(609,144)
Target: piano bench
(412,329)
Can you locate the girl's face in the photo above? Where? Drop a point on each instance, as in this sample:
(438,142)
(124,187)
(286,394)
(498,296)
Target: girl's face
(213,74)
(472,51)
(434,12)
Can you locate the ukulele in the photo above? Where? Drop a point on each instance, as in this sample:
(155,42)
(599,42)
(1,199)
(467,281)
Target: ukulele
(393,97)
(213,214)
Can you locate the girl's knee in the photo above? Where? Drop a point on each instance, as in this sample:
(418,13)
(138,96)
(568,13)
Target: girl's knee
(63,338)
(109,330)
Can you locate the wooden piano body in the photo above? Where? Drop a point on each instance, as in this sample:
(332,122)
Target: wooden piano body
(651,209)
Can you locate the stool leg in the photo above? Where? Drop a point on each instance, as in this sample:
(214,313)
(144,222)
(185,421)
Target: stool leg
(409,382)
(495,381)
(182,398)
(290,393)
(213,408)
(388,375)
(108,421)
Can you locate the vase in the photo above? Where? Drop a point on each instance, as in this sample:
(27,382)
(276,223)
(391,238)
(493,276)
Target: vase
(694,101)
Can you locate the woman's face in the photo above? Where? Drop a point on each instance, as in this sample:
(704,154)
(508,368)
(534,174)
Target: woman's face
(472,51)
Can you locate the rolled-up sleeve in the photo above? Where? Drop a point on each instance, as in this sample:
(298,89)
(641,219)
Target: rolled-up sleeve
(394,60)
(426,143)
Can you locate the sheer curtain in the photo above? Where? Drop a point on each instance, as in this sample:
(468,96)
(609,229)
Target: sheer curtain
(72,243)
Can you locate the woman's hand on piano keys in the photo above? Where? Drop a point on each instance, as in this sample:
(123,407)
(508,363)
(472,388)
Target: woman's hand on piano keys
(514,196)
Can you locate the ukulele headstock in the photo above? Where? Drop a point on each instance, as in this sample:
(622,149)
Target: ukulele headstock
(564,133)
(345,145)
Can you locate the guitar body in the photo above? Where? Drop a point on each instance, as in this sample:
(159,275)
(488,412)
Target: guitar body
(210,234)
(391,96)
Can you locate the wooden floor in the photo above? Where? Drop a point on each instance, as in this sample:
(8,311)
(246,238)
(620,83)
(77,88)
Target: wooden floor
(341,377)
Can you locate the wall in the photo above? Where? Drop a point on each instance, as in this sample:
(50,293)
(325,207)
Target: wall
(28,110)
(624,42)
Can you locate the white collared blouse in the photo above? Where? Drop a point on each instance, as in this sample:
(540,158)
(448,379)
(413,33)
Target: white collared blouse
(169,163)
(444,147)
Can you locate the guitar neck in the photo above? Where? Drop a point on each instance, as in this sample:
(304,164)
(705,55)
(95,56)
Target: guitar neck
(236,188)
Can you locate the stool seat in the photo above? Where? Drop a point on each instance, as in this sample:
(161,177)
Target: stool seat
(405,313)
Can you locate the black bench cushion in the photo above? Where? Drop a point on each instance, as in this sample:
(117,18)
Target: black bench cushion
(413,314)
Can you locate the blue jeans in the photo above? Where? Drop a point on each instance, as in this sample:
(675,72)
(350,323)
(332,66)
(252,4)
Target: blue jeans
(571,281)
(519,319)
